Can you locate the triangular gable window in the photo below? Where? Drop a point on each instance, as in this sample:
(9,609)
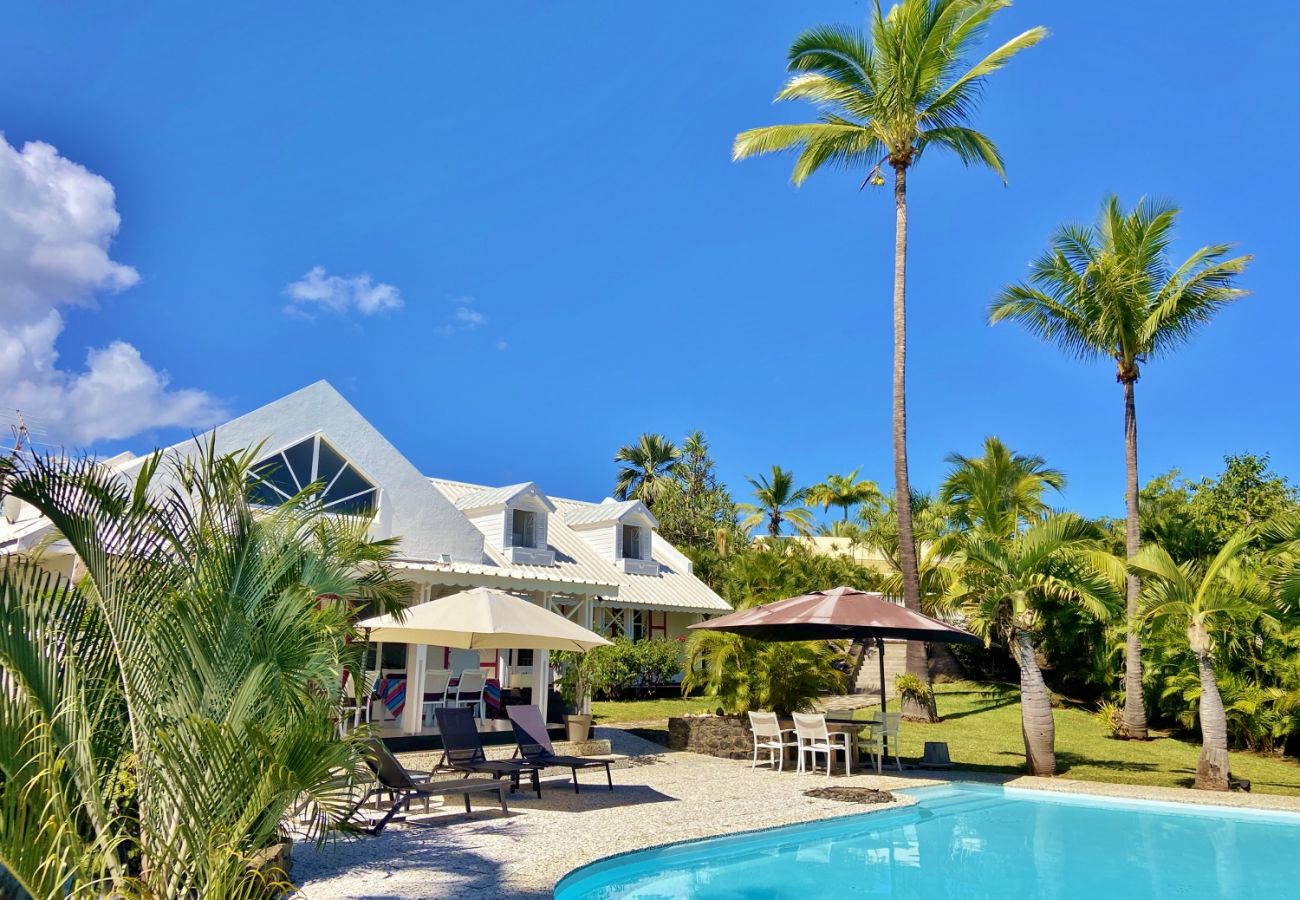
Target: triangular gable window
(313,461)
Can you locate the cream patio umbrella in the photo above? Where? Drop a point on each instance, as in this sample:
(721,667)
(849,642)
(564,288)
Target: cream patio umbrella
(482,619)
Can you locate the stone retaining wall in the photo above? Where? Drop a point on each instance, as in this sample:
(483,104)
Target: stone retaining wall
(726,736)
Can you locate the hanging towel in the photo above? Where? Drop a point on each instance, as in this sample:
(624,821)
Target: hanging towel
(393,692)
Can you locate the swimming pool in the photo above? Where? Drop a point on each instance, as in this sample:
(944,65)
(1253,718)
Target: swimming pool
(975,841)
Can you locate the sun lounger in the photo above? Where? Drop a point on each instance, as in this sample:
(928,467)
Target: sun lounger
(462,749)
(535,745)
(394,779)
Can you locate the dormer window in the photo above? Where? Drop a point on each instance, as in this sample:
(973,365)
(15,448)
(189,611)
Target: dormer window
(621,531)
(512,519)
(523,528)
(632,542)
(343,489)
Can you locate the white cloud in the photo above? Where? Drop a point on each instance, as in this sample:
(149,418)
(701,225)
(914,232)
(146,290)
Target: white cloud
(339,294)
(502,345)
(464,318)
(57,221)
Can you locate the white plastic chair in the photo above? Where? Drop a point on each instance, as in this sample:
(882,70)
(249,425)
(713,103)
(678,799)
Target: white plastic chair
(770,736)
(352,707)
(881,738)
(814,737)
(435,691)
(469,691)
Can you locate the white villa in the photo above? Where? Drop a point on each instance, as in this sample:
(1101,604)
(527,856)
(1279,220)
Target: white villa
(603,564)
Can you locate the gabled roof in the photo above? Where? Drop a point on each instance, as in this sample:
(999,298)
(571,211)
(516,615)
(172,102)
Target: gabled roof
(502,496)
(580,568)
(580,515)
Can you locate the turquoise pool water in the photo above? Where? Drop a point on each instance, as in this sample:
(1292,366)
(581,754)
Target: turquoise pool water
(975,841)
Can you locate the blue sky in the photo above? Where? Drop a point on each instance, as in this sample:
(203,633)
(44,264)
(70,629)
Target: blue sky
(547,191)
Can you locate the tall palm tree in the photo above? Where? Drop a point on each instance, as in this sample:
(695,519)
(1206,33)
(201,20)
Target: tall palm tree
(998,491)
(651,458)
(887,96)
(1002,583)
(1205,602)
(845,492)
(778,501)
(1110,291)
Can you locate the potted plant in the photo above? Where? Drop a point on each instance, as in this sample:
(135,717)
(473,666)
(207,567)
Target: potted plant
(573,688)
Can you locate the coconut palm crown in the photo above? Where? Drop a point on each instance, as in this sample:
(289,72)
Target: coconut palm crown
(1110,291)
(1000,490)
(844,492)
(778,501)
(651,458)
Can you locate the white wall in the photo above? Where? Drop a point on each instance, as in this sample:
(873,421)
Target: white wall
(409,506)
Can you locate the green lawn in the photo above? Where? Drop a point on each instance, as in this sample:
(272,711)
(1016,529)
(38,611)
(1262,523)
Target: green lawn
(983,734)
(608,712)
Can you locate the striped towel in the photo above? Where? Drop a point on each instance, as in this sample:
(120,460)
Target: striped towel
(492,693)
(393,693)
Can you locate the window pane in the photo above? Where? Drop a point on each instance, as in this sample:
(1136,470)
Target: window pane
(631,542)
(299,457)
(328,463)
(348,483)
(360,505)
(271,473)
(523,528)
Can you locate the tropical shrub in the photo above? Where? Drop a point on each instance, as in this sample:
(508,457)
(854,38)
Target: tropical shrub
(911,689)
(621,668)
(1111,716)
(743,674)
(165,712)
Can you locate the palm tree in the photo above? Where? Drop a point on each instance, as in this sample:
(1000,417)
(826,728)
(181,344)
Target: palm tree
(165,712)
(845,492)
(651,458)
(886,97)
(1110,291)
(1002,584)
(779,501)
(1204,601)
(998,491)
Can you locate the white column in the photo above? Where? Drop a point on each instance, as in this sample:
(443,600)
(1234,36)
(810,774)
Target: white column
(503,668)
(585,615)
(416,664)
(541,679)
(627,623)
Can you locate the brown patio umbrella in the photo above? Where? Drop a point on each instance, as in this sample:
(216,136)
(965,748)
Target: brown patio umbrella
(844,613)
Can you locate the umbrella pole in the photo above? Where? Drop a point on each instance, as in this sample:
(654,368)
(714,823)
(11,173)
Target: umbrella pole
(884,727)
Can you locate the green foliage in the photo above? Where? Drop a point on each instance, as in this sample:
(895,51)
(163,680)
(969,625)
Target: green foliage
(1246,493)
(696,513)
(775,570)
(744,674)
(892,93)
(643,467)
(1111,716)
(163,714)
(910,688)
(1110,291)
(620,669)
(844,492)
(777,501)
(995,494)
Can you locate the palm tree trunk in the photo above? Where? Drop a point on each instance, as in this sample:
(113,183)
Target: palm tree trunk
(917,664)
(1212,772)
(1135,712)
(1036,723)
